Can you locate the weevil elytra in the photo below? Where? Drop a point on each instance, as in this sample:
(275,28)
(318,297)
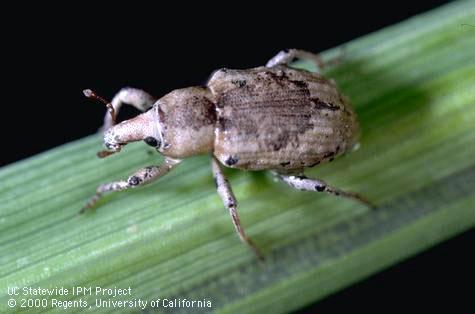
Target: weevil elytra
(273,118)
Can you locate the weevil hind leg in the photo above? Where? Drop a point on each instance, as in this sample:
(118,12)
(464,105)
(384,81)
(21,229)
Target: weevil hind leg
(300,182)
(286,56)
(131,96)
(227,196)
(139,178)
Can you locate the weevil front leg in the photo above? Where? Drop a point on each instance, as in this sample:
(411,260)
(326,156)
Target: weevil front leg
(132,96)
(227,196)
(301,182)
(286,56)
(139,178)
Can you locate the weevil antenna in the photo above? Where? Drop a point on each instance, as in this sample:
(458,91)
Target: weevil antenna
(91,94)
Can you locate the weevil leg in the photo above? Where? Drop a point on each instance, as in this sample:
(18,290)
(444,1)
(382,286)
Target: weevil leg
(227,196)
(139,178)
(132,96)
(286,56)
(301,182)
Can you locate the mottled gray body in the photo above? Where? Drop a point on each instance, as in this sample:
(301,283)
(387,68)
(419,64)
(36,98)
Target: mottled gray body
(267,118)
(279,118)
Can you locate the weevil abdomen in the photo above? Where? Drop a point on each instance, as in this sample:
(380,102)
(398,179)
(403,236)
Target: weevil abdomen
(279,118)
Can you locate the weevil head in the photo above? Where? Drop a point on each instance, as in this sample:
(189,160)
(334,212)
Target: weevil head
(179,125)
(142,127)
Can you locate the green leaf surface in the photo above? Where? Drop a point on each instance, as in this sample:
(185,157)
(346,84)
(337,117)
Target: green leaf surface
(413,86)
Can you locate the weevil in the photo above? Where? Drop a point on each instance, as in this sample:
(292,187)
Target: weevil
(272,117)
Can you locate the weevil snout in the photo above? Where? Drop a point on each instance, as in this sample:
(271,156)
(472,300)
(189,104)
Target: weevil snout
(142,127)
(111,140)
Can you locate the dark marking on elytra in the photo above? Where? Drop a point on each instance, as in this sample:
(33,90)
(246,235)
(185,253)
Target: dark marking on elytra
(215,182)
(283,164)
(300,84)
(281,79)
(285,138)
(231,161)
(280,142)
(321,105)
(304,123)
(329,154)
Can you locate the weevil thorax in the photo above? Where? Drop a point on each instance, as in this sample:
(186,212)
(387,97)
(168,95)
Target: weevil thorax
(186,122)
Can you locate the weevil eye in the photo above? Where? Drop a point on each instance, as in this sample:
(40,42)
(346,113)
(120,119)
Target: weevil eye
(151,141)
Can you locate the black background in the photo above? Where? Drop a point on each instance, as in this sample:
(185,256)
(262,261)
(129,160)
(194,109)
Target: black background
(53,52)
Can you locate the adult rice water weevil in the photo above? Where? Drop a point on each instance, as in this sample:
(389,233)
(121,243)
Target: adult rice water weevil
(273,118)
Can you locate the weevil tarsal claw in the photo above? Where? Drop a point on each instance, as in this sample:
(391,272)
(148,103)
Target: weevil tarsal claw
(105,153)
(112,148)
